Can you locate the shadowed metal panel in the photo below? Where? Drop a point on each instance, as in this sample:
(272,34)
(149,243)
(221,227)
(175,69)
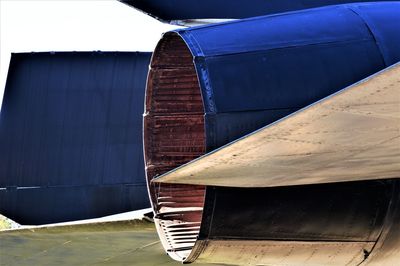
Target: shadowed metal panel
(192,11)
(71,128)
(387,251)
(329,224)
(352,211)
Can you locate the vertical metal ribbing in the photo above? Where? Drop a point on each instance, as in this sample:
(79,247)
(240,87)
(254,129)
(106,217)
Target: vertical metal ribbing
(174,134)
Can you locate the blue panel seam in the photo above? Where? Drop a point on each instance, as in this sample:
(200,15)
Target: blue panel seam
(371,32)
(294,46)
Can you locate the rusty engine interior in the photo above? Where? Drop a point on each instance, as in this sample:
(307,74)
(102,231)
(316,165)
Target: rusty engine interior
(174,134)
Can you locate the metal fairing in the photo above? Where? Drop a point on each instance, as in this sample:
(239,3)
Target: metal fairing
(71,136)
(329,224)
(202,11)
(298,59)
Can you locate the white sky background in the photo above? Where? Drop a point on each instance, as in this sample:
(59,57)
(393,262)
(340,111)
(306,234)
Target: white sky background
(73,25)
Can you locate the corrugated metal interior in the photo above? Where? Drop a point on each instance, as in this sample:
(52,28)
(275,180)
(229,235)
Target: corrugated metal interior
(174,131)
(174,134)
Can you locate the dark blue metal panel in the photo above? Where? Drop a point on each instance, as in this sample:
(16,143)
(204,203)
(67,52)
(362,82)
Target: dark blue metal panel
(384,23)
(288,61)
(332,214)
(43,205)
(309,27)
(70,123)
(289,77)
(352,211)
(223,128)
(170,10)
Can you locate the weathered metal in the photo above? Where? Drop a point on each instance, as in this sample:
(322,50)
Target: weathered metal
(124,239)
(351,135)
(328,224)
(71,136)
(250,73)
(174,135)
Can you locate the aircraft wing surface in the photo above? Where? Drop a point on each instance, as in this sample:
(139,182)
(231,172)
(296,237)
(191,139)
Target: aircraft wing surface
(114,240)
(349,136)
(197,12)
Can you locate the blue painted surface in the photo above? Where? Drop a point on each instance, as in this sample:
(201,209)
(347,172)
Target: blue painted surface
(287,61)
(168,10)
(71,136)
(71,123)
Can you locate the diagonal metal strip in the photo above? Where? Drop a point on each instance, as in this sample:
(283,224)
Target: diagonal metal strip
(351,135)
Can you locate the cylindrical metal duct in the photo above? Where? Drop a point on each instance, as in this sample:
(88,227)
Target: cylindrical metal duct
(210,85)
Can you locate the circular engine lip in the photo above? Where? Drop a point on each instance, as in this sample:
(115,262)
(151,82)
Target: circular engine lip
(162,197)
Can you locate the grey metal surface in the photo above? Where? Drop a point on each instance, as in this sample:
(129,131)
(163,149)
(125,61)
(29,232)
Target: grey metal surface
(99,242)
(351,135)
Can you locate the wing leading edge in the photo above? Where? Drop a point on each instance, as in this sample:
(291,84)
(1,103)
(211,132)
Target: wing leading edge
(196,12)
(351,135)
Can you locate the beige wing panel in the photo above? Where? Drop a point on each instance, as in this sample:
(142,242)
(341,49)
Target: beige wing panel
(242,252)
(349,136)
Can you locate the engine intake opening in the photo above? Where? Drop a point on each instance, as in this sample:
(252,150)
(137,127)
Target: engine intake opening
(174,134)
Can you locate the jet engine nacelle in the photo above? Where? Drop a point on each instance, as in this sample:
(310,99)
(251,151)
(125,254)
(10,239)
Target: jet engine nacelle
(209,85)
